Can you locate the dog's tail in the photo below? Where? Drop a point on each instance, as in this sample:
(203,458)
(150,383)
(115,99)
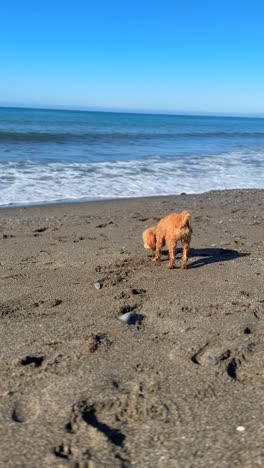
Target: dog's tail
(185,219)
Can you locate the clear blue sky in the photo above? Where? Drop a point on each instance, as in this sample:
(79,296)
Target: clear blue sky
(177,56)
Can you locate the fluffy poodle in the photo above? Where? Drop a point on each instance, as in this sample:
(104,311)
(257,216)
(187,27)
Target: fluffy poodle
(171,229)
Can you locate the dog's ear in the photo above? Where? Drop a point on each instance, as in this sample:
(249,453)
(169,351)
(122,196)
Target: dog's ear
(152,238)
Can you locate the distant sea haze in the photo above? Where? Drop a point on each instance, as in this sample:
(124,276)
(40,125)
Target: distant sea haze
(53,155)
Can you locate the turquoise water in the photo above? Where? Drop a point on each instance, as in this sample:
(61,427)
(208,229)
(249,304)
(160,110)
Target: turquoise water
(52,155)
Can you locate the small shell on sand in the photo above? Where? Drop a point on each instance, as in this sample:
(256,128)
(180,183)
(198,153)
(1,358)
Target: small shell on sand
(98,285)
(130,318)
(240,428)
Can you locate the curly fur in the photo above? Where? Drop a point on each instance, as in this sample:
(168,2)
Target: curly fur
(171,229)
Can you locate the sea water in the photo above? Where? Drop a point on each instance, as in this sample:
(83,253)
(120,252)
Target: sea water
(60,155)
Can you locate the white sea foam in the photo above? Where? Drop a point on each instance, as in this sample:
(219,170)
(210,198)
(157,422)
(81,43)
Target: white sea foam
(29,182)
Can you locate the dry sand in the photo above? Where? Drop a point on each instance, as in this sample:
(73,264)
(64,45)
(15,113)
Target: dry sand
(182,388)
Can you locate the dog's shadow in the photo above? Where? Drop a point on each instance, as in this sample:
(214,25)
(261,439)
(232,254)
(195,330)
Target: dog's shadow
(209,255)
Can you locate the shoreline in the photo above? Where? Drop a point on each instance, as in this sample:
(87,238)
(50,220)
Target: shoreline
(79,387)
(122,199)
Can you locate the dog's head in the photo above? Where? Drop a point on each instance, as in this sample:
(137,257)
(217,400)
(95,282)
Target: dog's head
(149,238)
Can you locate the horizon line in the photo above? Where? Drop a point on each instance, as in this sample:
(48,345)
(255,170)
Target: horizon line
(134,111)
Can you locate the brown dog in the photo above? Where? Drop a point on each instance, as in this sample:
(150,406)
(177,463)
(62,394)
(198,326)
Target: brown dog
(171,229)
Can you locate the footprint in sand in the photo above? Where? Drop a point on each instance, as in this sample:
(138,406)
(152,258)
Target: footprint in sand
(210,356)
(33,361)
(233,357)
(103,225)
(50,227)
(102,427)
(137,292)
(8,236)
(24,410)
(49,303)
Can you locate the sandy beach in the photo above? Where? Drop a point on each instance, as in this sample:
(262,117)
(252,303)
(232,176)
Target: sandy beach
(181,387)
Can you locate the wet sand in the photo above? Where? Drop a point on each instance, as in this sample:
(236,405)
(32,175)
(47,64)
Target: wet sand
(183,386)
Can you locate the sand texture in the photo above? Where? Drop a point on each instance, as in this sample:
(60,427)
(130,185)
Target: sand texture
(182,386)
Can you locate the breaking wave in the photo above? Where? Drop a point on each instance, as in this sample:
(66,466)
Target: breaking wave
(30,182)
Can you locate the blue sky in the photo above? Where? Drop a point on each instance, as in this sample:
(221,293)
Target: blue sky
(194,56)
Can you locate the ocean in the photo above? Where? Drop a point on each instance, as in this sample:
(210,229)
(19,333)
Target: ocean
(57,155)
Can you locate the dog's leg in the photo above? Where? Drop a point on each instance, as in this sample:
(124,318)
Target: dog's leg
(185,252)
(159,245)
(172,245)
